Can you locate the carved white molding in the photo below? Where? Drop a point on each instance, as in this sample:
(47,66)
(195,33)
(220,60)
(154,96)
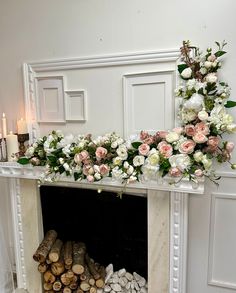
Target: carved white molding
(178,241)
(212,279)
(107,60)
(76,105)
(15,193)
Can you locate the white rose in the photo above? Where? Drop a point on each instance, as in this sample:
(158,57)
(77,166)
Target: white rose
(117,161)
(194,103)
(122,152)
(211,78)
(172,136)
(186,73)
(203,70)
(208,64)
(97,176)
(66,166)
(181,161)
(114,144)
(138,161)
(198,156)
(150,172)
(188,115)
(207,163)
(231,128)
(130,170)
(203,115)
(154,159)
(126,165)
(120,141)
(29,152)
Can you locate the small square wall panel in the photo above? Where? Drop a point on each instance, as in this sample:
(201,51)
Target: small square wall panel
(50,99)
(76,105)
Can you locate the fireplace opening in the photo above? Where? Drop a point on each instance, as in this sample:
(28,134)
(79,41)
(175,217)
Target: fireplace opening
(114,229)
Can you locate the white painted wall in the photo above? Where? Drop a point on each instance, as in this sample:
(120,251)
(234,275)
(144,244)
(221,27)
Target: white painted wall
(33,30)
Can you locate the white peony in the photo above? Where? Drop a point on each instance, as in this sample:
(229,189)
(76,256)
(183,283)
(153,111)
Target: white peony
(203,70)
(122,152)
(154,159)
(211,78)
(186,73)
(231,128)
(208,64)
(172,136)
(194,103)
(198,155)
(188,115)
(29,152)
(181,161)
(150,172)
(130,170)
(117,161)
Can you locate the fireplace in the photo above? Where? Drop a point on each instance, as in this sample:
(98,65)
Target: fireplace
(113,229)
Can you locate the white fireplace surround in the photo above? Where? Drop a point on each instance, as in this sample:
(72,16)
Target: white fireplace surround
(140,69)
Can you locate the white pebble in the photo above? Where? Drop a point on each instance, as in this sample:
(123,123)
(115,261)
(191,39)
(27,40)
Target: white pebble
(136,276)
(121,272)
(109,268)
(133,291)
(128,285)
(107,288)
(143,290)
(142,282)
(116,287)
(129,276)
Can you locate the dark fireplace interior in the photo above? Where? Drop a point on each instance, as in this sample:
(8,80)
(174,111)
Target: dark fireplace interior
(114,229)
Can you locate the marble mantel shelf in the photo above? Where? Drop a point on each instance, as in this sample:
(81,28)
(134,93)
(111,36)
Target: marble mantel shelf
(15,170)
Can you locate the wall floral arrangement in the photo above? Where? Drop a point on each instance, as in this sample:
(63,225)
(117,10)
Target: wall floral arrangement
(187,151)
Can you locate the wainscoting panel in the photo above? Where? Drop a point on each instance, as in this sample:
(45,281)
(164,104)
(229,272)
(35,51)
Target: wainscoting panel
(222,244)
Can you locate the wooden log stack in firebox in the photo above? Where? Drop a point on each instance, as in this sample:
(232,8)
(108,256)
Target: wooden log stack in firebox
(67,268)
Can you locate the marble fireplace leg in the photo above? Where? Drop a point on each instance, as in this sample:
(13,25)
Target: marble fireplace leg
(158,241)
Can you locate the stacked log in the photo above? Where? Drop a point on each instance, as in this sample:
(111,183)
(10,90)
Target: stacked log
(67,268)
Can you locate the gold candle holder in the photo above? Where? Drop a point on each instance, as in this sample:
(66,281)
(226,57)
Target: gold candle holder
(22,138)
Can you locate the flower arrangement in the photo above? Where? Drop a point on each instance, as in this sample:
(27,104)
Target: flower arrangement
(186,151)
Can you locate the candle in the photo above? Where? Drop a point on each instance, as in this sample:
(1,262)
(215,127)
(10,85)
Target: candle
(12,145)
(22,126)
(0,136)
(4,125)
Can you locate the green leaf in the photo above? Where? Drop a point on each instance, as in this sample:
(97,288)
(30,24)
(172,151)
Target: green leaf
(52,159)
(230,104)
(181,67)
(220,53)
(136,144)
(76,176)
(23,161)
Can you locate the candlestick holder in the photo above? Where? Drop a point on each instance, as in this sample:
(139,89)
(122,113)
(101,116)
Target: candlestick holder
(3,150)
(22,138)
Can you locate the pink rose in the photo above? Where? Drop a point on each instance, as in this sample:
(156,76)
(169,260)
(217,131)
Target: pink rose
(143,149)
(162,134)
(86,169)
(190,130)
(148,140)
(165,149)
(229,146)
(199,138)
(198,173)
(84,155)
(90,178)
(143,135)
(202,128)
(101,153)
(175,172)
(178,130)
(187,147)
(213,142)
(104,169)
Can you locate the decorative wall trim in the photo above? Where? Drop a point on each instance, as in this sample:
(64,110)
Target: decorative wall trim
(211,280)
(78,103)
(178,241)
(15,193)
(161,99)
(106,60)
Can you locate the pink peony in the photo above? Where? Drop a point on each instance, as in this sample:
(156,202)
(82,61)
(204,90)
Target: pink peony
(101,153)
(190,130)
(175,172)
(199,137)
(213,142)
(104,169)
(144,135)
(229,146)
(143,149)
(148,140)
(187,147)
(165,149)
(202,128)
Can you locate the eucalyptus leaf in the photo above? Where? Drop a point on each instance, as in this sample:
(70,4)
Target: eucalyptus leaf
(220,53)
(136,144)
(23,161)
(230,104)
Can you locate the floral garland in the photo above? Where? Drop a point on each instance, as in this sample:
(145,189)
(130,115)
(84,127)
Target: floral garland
(186,151)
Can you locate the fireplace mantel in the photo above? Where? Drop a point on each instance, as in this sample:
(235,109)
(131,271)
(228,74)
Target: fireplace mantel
(15,170)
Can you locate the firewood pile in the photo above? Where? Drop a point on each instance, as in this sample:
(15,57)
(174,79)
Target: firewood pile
(67,268)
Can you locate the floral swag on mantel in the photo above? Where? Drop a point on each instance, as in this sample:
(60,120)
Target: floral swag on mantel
(187,151)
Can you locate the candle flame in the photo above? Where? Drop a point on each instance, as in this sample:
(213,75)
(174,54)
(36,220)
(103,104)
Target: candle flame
(3,115)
